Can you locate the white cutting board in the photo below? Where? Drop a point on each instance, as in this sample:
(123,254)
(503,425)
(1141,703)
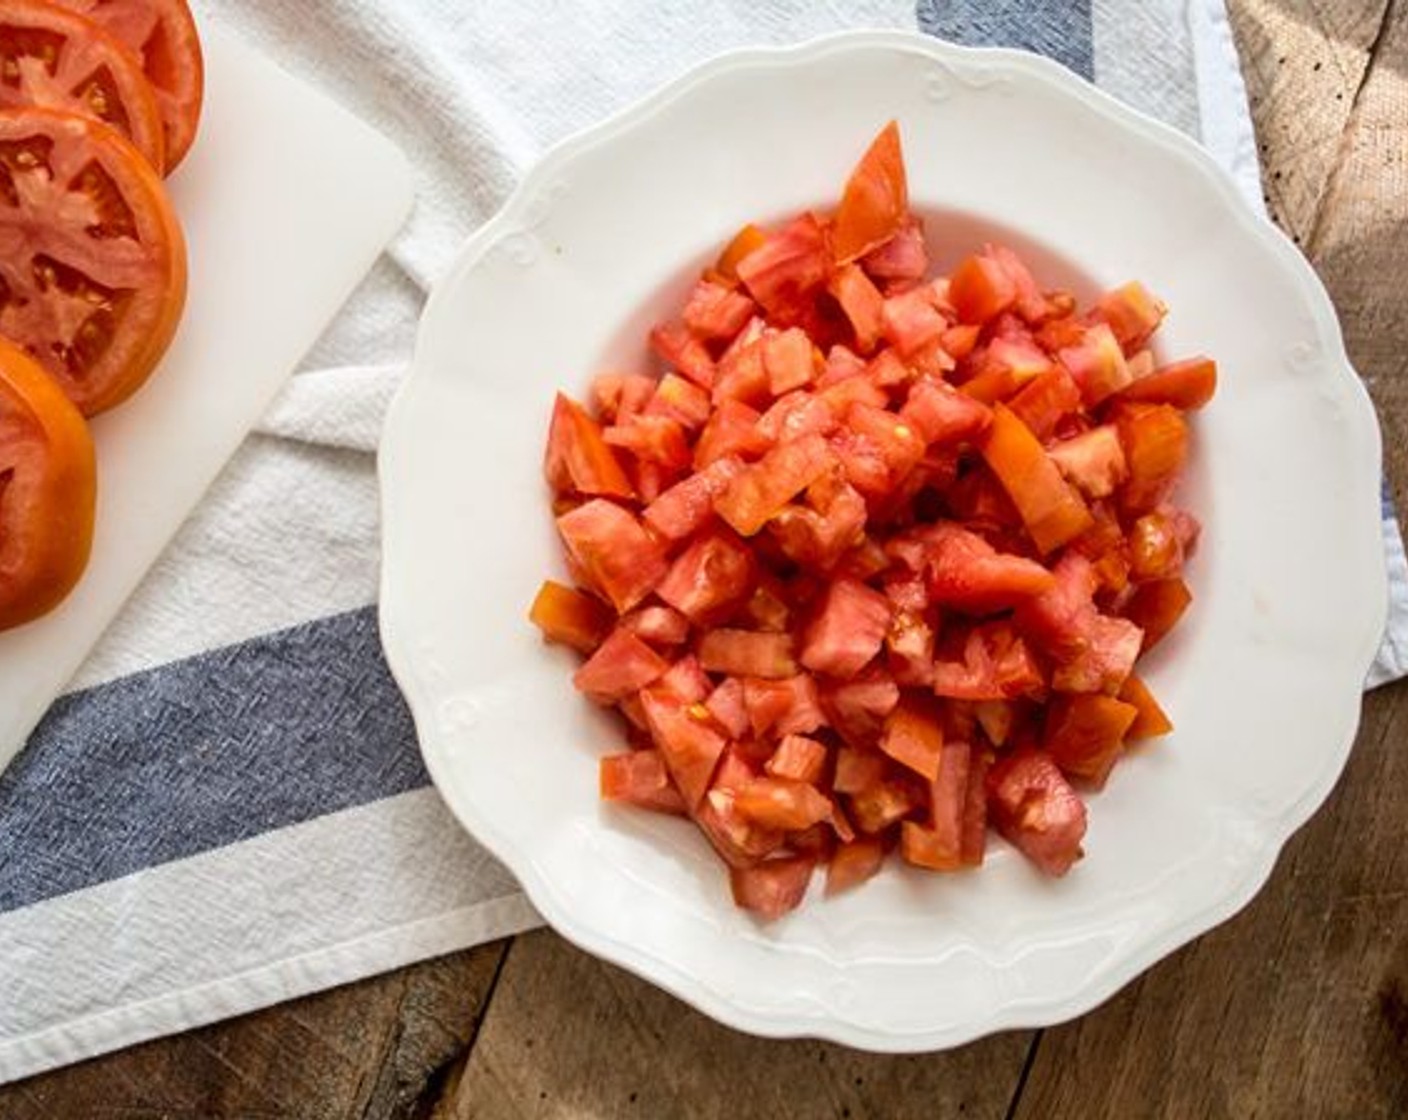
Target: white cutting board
(286,200)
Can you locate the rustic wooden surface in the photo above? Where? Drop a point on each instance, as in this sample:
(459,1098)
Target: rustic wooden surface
(1298,1007)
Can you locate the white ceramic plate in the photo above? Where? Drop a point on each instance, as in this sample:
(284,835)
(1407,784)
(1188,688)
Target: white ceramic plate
(286,200)
(1263,679)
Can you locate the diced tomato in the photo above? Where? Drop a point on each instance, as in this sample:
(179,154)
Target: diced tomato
(980,289)
(726,705)
(1150,721)
(710,578)
(747,239)
(847,631)
(1155,548)
(613,551)
(887,370)
(997,664)
(968,573)
(1045,401)
(796,415)
(1084,734)
(975,809)
(787,268)
(682,401)
(910,321)
(853,863)
(677,348)
(731,433)
(570,617)
(748,653)
(783,707)
(742,376)
(875,204)
(842,364)
(714,311)
(1034,807)
(798,758)
(685,681)
(1093,460)
(903,257)
(619,396)
(857,708)
(909,649)
(1132,313)
(1155,438)
(914,735)
(942,416)
(687,738)
(863,562)
(760,491)
(840,395)
(688,505)
(652,439)
(1112,646)
(857,769)
(787,357)
(1097,365)
(862,303)
(819,537)
(783,804)
(1187,385)
(938,844)
(1059,619)
(900,445)
(1052,511)
(774,887)
(881,805)
(1156,607)
(640,778)
(1003,368)
(578,457)
(622,665)
(661,626)
(1030,304)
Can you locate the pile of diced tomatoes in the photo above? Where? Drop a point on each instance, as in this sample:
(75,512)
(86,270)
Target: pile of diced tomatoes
(868,564)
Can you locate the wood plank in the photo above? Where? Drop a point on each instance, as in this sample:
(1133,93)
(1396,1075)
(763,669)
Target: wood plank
(1299,1006)
(371,1049)
(567,1035)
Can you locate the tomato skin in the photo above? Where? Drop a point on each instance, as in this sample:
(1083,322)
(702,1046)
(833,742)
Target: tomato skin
(570,617)
(1156,607)
(48,491)
(876,200)
(1150,720)
(1035,808)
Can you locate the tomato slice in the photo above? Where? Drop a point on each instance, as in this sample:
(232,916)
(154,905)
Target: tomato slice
(164,37)
(48,486)
(92,261)
(875,204)
(52,58)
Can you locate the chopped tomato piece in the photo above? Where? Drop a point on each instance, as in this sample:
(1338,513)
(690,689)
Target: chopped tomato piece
(784,707)
(820,536)
(1059,619)
(1132,313)
(613,551)
(1034,807)
(798,758)
(1188,385)
(1052,511)
(900,446)
(788,268)
(731,433)
(1084,734)
(783,804)
(747,239)
(570,617)
(619,396)
(1155,438)
(796,415)
(857,769)
(1003,369)
(640,778)
(578,457)
(1156,607)
(760,491)
(941,416)
(710,578)
(687,739)
(877,807)
(787,357)
(1097,365)
(659,625)
(997,664)
(875,204)
(862,303)
(1045,401)
(903,257)
(853,863)
(910,321)
(914,735)
(688,505)
(848,630)
(748,653)
(726,704)
(938,845)
(1093,460)
(909,648)
(682,401)
(685,681)
(858,707)
(975,808)
(623,664)
(968,573)
(774,887)
(680,350)
(714,311)
(1151,720)
(652,439)
(1155,548)
(1112,646)
(980,289)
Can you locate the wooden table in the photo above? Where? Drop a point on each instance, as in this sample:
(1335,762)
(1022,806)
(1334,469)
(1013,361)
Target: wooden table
(1298,1007)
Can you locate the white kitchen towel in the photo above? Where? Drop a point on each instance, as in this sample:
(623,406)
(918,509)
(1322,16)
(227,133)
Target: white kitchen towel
(228,809)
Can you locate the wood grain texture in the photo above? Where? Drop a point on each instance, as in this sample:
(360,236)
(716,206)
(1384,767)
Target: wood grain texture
(569,1036)
(365,1050)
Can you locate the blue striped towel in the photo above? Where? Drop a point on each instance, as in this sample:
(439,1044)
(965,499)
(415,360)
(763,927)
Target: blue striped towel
(228,809)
